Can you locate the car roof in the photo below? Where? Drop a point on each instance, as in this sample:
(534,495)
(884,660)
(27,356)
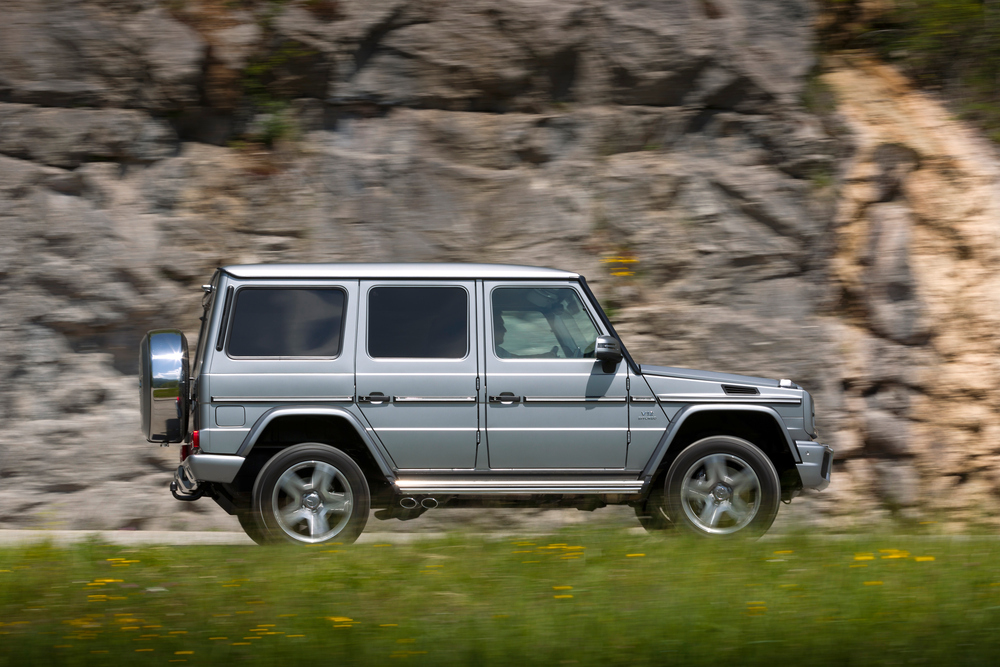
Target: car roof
(412,270)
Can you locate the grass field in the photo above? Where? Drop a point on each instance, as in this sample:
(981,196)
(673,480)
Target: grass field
(578,597)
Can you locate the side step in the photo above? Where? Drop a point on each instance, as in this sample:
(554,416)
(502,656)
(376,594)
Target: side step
(478,487)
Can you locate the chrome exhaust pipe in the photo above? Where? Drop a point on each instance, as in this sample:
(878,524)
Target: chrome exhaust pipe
(429,503)
(408,503)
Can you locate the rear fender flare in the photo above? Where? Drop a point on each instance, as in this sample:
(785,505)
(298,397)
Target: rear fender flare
(686,412)
(313,411)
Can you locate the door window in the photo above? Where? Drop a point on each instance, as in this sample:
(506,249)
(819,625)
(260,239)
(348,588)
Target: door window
(540,323)
(418,323)
(288,322)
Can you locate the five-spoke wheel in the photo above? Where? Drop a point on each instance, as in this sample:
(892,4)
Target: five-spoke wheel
(311,493)
(722,485)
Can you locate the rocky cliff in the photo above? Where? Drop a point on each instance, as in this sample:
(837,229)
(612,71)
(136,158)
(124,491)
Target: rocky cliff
(660,147)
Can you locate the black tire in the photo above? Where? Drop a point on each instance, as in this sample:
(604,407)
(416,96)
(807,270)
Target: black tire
(311,494)
(722,486)
(248,522)
(652,514)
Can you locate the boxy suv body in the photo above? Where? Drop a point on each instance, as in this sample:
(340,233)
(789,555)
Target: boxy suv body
(320,391)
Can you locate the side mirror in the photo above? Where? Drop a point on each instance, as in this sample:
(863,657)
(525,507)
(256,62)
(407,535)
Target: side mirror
(608,351)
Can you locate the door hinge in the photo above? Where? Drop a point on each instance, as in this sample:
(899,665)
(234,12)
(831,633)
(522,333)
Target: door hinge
(627,384)
(477,437)
(628,437)
(477,383)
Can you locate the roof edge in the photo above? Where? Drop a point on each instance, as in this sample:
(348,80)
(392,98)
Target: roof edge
(397,270)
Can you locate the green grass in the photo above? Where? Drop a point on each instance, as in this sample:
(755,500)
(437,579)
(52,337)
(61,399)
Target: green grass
(594,597)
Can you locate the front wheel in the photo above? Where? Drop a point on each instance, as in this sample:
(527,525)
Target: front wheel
(722,486)
(310,494)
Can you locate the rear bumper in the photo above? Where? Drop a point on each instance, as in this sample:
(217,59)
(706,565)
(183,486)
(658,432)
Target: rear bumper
(817,463)
(213,467)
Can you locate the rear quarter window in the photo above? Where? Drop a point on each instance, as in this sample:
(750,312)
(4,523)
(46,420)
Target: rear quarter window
(287,322)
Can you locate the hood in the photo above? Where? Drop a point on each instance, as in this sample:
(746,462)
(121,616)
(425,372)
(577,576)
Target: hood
(687,373)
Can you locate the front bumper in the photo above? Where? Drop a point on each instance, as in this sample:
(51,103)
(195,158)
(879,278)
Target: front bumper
(817,463)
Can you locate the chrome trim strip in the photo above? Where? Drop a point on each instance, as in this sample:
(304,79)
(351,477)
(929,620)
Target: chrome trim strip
(530,429)
(433,399)
(574,399)
(644,399)
(701,398)
(469,429)
(493,487)
(282,399)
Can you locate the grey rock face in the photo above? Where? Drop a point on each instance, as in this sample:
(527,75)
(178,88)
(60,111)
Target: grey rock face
(98,54)
(656,147)
(68,137)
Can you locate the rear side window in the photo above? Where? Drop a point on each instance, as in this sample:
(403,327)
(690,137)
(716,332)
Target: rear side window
(418,322)
(287,323)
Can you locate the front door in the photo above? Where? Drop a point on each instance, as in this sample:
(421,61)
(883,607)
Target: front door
(550,403)
(417,369)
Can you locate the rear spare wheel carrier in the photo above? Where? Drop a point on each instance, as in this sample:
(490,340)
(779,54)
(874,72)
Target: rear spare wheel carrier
(163,385)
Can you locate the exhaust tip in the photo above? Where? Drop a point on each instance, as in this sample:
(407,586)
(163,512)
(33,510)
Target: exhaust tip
(429,503)
(408,503)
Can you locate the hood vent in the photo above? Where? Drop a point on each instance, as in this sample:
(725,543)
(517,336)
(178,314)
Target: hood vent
(738,390)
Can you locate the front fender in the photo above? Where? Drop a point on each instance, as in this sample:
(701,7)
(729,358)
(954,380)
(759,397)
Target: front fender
(314,411)
(687,411)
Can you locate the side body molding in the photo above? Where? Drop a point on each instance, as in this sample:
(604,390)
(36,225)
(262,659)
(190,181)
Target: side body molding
(315,411)
(688,410)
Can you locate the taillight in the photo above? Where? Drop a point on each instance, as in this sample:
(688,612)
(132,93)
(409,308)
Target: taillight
(188,450)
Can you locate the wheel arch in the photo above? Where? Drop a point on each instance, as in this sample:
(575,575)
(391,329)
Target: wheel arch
(284,426)
(758,424)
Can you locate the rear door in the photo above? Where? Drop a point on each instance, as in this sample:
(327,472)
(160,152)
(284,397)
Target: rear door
(550,402)
(417,371)
(285,342)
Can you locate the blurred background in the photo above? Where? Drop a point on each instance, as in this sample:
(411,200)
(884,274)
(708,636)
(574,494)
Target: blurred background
(787,188)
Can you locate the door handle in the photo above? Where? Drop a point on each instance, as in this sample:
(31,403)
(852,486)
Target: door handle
(505,398)
(375,398)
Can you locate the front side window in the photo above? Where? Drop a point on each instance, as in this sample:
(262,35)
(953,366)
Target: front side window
(287,323)
(541,323)
(418,323)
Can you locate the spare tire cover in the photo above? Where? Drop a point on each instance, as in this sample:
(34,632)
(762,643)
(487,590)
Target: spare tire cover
(163,385)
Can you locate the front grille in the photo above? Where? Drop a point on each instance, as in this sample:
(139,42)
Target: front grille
(737,390)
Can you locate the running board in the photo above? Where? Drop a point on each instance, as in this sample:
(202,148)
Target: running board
(476,487)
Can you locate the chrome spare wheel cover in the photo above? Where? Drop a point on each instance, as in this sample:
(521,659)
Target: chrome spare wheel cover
(312,501)
(720,494)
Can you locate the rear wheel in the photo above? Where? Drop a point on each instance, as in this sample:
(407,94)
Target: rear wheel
(248,522)
(722,486)
(310,494)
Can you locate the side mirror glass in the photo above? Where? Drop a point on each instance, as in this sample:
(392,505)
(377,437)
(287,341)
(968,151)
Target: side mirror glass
(608,351)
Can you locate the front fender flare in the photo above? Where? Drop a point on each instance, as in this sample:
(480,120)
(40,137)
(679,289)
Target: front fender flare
(687,411)
(315,411)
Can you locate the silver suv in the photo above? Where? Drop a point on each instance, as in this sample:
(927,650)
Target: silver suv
(319,392)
